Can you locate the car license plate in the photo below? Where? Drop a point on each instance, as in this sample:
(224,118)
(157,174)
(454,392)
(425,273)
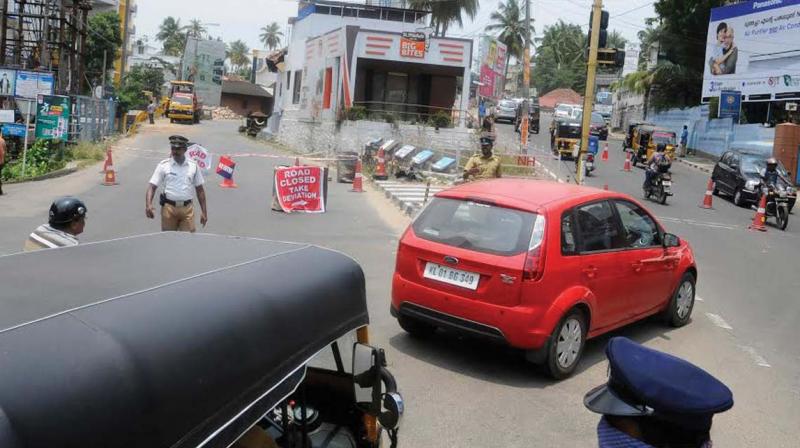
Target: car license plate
(452,276)
(667,183)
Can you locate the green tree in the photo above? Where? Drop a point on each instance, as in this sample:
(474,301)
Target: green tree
(137,80)
(237,54)
(561,59)
(507,19)
(170,34)
(195,29)
(103,38)
(616,40)
(446,13)
(271,36)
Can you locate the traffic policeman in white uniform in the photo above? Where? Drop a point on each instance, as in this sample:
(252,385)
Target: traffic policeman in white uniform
(179,176)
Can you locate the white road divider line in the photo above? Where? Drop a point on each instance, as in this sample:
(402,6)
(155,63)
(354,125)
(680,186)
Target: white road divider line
(758,359)
(717,320)
(699,299)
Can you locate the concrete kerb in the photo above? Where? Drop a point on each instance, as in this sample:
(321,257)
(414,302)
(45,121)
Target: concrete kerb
(706,168)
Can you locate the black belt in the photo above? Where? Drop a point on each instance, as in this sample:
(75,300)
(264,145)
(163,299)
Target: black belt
(177,203)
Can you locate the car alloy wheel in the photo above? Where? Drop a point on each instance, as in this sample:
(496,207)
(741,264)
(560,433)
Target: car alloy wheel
(569,343)
(684,299)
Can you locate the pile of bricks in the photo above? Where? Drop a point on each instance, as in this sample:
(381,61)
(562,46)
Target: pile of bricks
(224,113)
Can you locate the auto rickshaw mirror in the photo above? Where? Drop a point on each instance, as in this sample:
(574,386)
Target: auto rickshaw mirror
(365,375)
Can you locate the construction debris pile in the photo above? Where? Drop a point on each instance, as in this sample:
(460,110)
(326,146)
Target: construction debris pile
(224,113)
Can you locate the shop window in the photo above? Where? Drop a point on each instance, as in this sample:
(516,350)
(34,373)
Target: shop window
(326,93)
(297,87)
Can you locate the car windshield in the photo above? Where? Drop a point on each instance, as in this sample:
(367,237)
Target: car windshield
(663,138)
(566,110)
(181,100)
(597,118)
(753,164)
(475,226)
(603,98)
(508,104)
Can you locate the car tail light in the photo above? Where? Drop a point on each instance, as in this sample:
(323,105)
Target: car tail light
(533,267)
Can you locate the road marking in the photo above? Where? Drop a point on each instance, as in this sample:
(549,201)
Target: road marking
(692,222)
(699,299)
(718,321)
(758,359)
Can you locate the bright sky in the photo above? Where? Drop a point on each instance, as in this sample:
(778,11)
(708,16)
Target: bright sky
(242,19)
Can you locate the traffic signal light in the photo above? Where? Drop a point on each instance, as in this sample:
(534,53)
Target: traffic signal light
(611,56)
(603,26)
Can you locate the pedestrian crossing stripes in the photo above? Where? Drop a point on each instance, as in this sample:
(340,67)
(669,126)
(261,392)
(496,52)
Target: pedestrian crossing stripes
(409,196)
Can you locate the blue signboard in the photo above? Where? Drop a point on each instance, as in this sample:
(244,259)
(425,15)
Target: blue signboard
(730,104)
(594,144)
(14,130)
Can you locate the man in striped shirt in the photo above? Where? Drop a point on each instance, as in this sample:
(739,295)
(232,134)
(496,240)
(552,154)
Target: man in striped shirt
(66,221)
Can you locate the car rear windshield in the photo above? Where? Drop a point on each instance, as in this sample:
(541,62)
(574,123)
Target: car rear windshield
(508,104)
(475,226)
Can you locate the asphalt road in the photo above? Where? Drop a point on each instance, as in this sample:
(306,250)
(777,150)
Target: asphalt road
(461,392)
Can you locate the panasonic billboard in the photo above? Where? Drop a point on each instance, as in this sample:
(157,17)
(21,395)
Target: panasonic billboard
(754,48)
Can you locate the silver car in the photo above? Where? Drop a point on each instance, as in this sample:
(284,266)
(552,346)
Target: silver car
(506,110)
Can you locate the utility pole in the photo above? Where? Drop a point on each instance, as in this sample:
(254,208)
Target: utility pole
(588,99)
(524,125)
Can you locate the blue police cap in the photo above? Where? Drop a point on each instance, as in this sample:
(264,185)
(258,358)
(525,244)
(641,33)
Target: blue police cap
(178,141)
(486,141)
(646,382)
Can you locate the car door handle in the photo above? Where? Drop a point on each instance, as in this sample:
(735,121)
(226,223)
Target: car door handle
(590,271)
(637,266)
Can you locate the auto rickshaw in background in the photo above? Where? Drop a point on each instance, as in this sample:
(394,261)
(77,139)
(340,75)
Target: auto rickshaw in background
(664,137)
(565,137)
(223,349)
(254,123)
(627,143)
(640,141)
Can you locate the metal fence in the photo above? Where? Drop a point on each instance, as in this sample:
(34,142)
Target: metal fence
(92,119)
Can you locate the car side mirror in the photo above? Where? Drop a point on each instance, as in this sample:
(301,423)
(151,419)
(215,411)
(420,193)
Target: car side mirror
(671,240)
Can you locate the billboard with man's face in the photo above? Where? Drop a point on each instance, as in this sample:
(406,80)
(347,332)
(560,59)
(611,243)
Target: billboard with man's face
(754,47)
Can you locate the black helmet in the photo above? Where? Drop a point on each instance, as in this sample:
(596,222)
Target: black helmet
(486,141)
(65,210)
(661,147)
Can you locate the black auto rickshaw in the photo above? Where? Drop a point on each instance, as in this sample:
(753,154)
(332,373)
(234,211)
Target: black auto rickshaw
(628,142)
(565,137)
(123,344)
(254,123)
(533,117)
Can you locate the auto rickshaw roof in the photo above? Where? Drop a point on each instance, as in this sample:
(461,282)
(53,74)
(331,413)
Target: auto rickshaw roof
(163,340)
(648,128)
(663,130)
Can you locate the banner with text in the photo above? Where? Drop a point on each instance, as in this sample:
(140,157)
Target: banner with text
(201,157)
(492,57)
(753,47)
(301,188)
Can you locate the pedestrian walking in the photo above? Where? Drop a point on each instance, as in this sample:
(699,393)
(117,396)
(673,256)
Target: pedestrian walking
(151,110)
(2,159)
(179,176)
(484,165)
(653,399)
(684,141)
(66,220)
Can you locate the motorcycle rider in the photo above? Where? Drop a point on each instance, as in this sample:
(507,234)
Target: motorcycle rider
(657,164)
(770,174)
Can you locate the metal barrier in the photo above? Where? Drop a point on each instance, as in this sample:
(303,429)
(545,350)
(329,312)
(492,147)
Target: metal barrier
(414,113)
(92,119)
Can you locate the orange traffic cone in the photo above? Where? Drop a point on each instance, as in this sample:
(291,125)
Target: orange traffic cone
(110,176)
(627,166)
(357,180)
(604,156)
(228,183)
(708,196)
(760,217)
(108,162)
(380,170)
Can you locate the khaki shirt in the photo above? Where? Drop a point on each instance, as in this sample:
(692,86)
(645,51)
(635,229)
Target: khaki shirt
(489,167)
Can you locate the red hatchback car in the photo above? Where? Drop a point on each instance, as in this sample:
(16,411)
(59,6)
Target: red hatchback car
(540,266)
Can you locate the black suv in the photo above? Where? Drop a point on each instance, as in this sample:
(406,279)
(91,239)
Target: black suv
(738,174)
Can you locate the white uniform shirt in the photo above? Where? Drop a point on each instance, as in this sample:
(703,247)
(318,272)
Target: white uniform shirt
(179,180)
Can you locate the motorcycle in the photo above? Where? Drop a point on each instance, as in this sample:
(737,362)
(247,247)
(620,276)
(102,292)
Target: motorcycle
(660,186)
(639,156)
(589,164)
(777,205)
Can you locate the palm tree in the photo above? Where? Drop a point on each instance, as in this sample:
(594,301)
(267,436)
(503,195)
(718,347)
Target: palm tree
(195,29)
(616,40)
(171,35)
(446,13)
(512,29)
(237,53)
(271,35)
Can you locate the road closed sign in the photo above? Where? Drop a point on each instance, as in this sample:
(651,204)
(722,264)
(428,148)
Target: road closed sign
(201,156)
(300,188)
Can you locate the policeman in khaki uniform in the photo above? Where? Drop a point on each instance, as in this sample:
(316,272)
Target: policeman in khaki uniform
(180,176)
(655,400)
(484,165)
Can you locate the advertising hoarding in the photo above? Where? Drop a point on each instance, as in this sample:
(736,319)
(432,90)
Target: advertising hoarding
(412,45)
(8,79)
(492,56)
(52,117)
(754,47)
(33,84)
(204,64)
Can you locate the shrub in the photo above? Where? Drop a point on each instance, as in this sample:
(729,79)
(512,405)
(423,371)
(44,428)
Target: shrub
(356,113)
(88,151)
(41,158)
(440,119)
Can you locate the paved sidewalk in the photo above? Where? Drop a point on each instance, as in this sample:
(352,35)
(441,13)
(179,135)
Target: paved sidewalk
(702,163)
